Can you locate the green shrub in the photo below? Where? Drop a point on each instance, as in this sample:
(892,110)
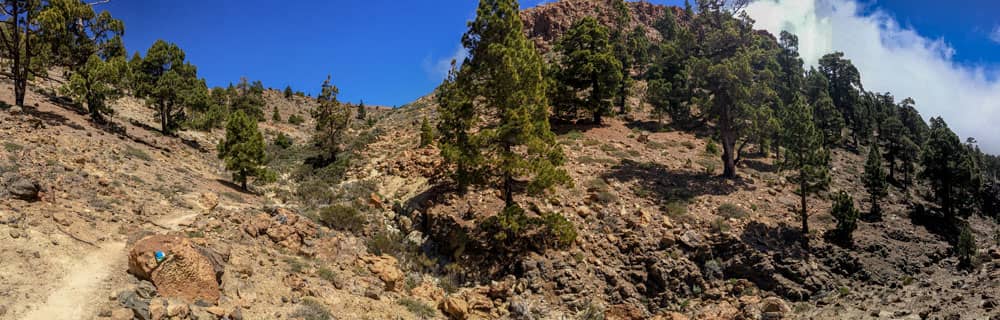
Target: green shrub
(573,135)
(730,210)
(708,166)
(846,215)
(605,197)
(712,148)
(137,153)
(12,147)
(296,119)
(676,209)
(512,230)
(418,308)
(559,229)
(327,274)
(965,248)
(311,309)
(391,243)
(688,144)
(283,140)
(343,218)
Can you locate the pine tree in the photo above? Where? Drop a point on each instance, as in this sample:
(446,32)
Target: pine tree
(874,180)
(503,77)
(97,82)
(275,115)
(362,112)
(845,89)
(589,69)
(622,51)
(726,83)
(289,93)
(846,214)
(243,149)
(457,119)
(805,154)
(250,99)
(426,133)
(332,121)
(168,83)
(942,158)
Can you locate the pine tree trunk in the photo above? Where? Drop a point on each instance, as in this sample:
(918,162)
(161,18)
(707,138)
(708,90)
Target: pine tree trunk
(728,154)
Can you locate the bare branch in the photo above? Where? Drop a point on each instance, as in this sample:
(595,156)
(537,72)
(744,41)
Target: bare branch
(98,2)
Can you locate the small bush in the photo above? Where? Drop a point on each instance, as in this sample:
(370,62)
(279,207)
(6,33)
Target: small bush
(729,210)
(720,225)
(137,153)
(676,209)
(708,166)
(573,135)
(418,308)
(560,230)
(512,230)
(311,309)
(385,242)
(327,274)
(965,248)
(605,197)
(296,119)
(341,217)
(712,148)
(283,140)
(12,147)
(846,215)
(688,144)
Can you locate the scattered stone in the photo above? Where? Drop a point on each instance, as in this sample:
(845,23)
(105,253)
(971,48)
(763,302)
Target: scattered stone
(177,309)
(122,314)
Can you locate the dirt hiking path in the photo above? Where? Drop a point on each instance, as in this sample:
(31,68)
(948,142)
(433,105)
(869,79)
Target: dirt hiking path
(81,288)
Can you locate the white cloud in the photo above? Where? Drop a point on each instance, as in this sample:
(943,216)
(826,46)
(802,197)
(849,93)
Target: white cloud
(995,34)
(894,59)
(438,69)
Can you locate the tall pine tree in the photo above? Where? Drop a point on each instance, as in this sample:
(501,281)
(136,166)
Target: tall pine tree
(243,149)
(590,74)
(874,180)
(502,77)
(805,154)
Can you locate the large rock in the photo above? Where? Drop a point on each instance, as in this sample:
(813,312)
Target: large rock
(385,267)
(24,188)
(189,272)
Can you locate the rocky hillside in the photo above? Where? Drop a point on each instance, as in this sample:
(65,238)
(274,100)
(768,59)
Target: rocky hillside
(121,222)
(545,23)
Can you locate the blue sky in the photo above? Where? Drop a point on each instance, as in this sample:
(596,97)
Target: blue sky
(390,52)
(385,52)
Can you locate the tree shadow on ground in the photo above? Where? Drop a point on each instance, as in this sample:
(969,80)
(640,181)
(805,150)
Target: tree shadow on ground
(671,184)
(935,222)
(781,238)
(50,118)
(758,165)
(561,127)
(235,187)
(696,128)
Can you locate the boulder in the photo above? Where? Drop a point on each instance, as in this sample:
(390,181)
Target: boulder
(189,272)
(385,268)
(773,308)
(454,307)
(24,188)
